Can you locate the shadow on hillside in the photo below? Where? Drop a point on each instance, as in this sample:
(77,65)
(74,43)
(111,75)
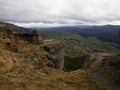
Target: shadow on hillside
(74,63)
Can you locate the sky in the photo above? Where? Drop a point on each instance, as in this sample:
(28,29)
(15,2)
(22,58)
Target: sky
(43,13)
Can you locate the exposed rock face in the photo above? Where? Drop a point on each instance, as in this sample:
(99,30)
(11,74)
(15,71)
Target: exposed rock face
(56,49)
(12,47)
(32,37)
(105,71)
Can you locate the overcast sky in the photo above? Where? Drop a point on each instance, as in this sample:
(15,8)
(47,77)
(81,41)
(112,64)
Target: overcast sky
(60,12)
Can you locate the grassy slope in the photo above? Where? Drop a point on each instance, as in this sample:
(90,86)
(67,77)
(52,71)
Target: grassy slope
(21,70)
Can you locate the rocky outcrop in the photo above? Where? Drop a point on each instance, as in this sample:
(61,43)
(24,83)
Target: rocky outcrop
(12,47)
(53,47)
(104,70)
(33,37)
(56,49)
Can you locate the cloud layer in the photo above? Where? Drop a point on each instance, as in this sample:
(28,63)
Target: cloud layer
(60,12)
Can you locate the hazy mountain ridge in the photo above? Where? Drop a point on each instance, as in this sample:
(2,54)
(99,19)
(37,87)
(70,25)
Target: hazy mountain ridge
(106,33)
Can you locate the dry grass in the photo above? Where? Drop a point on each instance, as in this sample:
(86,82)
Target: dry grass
(19,70)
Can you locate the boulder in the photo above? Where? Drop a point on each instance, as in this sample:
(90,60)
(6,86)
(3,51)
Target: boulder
(12,47)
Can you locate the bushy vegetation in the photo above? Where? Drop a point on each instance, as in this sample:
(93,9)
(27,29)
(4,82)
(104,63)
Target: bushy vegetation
(73,63)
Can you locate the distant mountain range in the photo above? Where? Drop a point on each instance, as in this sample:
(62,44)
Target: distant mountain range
(106,33)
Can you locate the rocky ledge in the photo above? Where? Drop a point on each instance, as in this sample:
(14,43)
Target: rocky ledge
(104,70)
(56,49)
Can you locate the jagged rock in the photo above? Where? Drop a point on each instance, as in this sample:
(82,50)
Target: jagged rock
(105,71)
(12,47)
(32,37)
(6,32)
(56,49)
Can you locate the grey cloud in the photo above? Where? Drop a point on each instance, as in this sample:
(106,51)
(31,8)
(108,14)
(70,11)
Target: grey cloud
(60,11)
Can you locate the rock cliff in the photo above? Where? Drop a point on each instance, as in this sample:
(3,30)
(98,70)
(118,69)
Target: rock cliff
(104,70)
(55,49)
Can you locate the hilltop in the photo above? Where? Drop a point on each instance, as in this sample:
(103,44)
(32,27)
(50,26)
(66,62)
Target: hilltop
(105,33)
(13,27)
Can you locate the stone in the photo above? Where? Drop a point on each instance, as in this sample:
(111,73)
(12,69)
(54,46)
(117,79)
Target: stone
(12,47)
(56,50)
(105,71)
(32,37)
